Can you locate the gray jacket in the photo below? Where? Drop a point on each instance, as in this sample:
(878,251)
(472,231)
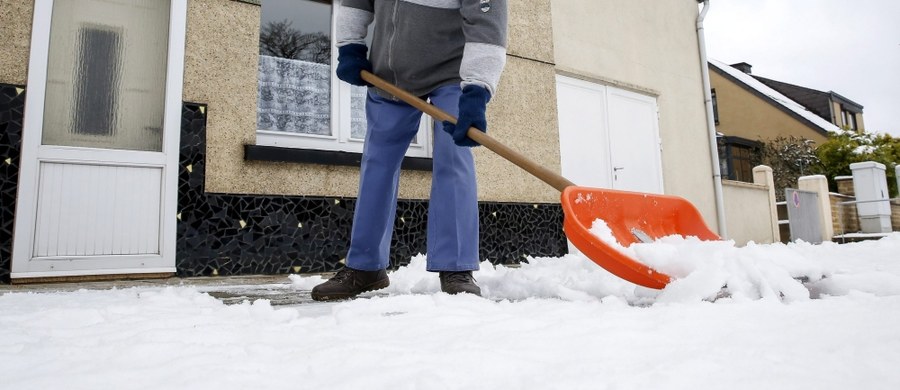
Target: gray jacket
(421,45)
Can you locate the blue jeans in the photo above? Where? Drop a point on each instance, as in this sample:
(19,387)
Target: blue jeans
(453,209)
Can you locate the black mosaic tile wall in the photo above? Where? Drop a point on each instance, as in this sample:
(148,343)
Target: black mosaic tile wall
(12,114)
(225,234)
(231,234)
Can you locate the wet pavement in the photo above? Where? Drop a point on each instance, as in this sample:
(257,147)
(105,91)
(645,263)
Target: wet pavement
(277,289)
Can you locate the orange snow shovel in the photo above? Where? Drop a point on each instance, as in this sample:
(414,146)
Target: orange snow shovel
(632,216)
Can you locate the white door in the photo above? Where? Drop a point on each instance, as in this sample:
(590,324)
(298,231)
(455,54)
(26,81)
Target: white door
(98,183)
(609,137)
(634,145)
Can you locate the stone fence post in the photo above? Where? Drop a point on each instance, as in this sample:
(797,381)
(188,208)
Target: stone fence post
(763,175)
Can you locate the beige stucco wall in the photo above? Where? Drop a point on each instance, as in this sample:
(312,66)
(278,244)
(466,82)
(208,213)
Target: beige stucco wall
(649,46)
(523,114)
(745,115)
(15,40)
(747,213)
(220,70)
(860,124)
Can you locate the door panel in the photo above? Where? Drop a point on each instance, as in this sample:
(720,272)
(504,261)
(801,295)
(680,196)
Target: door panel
(583,133)
(91,210)
(634,142)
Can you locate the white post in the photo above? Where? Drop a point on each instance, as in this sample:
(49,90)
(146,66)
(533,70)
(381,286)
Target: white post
(763,175)
(819,185)
(870,184)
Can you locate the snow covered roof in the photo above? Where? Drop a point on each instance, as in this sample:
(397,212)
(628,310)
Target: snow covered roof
(776,96)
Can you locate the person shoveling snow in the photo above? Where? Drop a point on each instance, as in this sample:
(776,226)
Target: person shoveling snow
(453,56)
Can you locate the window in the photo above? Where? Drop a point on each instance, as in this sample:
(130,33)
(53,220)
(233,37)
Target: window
(300,101)
(737,157)
(849,119)
(715,106)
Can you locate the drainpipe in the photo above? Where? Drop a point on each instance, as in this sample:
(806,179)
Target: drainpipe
(711,124)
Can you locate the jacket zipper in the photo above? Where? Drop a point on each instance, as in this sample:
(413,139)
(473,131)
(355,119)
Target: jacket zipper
(391,41)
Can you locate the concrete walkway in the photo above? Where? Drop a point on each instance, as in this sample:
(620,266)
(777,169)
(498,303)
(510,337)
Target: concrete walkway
(278,289)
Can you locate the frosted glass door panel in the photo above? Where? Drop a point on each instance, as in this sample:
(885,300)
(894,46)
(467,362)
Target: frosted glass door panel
(106,76)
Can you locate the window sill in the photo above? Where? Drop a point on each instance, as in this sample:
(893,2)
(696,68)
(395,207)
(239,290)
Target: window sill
(322,157)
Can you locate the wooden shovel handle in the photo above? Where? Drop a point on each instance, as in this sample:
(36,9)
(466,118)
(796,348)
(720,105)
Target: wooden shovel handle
(546,175)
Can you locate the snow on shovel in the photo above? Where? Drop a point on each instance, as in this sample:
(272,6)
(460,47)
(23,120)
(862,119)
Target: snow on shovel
(632,216)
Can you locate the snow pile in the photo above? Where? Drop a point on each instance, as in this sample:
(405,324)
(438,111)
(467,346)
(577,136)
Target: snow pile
(570,278)
(702,271)
(705,270)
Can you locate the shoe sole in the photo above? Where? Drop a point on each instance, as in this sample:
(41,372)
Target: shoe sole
(478,293)
(336,297)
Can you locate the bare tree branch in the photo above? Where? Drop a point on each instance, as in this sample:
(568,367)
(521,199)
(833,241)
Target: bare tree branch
(281,39)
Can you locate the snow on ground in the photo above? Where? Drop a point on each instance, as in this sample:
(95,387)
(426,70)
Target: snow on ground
(561,323)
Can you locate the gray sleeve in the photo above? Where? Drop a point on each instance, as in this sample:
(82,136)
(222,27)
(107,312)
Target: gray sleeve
(484,56)
(353,20)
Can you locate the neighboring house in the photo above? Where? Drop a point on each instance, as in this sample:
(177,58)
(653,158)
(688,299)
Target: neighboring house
(830,106)
(749,111)
(150,137)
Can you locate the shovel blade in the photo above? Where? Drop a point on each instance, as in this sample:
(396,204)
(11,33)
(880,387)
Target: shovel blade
(632,217)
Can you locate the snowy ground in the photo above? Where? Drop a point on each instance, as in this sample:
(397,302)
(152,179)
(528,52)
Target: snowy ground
(552,324)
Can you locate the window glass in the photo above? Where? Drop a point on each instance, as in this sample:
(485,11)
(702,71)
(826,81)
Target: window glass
(715,106)
(300,103)
(294,92)
(740,162)
(849,119)
(106,74)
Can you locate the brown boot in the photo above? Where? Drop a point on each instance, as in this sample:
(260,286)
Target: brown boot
(348,283)
(459,282)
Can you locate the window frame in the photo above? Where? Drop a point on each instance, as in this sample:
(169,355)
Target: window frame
(735,166)
(849,118)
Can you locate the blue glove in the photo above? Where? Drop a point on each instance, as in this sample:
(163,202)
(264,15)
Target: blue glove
(472,105)
(351,61)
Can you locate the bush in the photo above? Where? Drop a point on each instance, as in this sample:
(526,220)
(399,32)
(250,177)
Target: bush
(790,158)
(847,148)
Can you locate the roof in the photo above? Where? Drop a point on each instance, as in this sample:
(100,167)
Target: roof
(816,101)
(774,97)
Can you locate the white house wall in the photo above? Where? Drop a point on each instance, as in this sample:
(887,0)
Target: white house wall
(648,46)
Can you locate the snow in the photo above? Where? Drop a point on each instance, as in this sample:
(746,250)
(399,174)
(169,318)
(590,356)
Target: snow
(554,323)
(864,149)
(777,96)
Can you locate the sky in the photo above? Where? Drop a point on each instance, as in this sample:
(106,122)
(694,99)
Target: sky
(553,323)
(849,47)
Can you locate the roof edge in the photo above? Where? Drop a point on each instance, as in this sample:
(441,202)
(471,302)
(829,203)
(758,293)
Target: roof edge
(812,125)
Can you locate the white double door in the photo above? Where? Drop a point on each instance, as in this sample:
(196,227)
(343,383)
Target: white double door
(609,137)
(98,180)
